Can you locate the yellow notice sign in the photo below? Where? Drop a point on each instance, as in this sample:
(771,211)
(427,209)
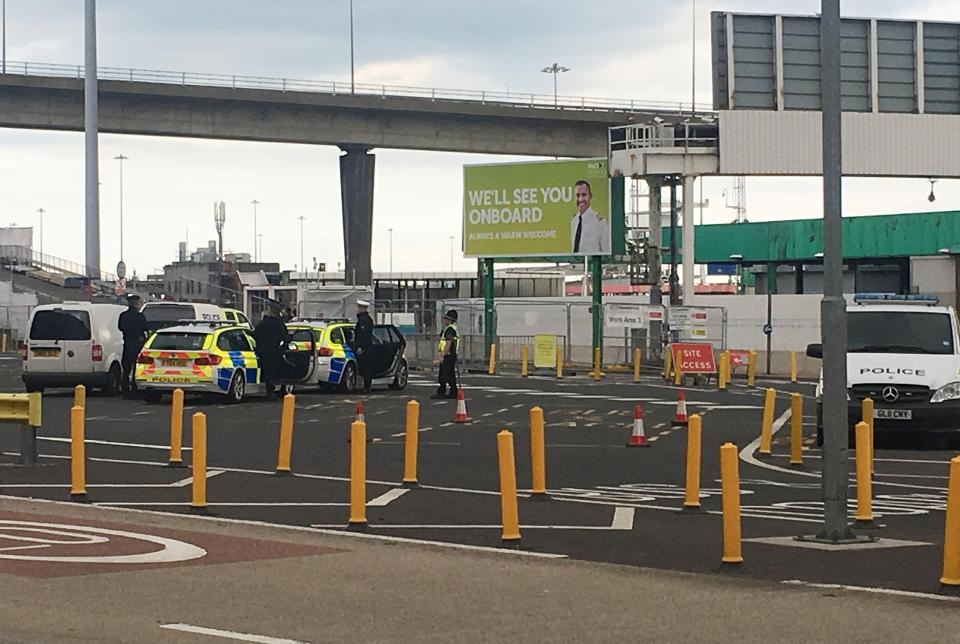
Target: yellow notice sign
(545,351)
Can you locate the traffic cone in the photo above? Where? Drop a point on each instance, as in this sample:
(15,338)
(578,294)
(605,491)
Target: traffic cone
(680,418)
(360,416)
(638,438)
(461,416)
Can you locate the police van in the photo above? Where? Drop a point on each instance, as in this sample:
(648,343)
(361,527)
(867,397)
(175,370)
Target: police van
(903,352)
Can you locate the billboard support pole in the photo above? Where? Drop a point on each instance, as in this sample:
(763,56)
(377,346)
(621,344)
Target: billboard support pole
(596,309)
(488,330)
(674,278)
(654,240)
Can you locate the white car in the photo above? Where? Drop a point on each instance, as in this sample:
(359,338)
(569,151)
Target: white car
(73,343)
(165,314)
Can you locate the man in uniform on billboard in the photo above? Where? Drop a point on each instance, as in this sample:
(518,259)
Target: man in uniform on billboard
(590,234)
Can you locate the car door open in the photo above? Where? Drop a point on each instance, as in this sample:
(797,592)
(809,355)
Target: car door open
(299,358)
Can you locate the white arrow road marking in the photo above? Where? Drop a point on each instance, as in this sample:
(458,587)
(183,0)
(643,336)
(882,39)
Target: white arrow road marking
(390,495)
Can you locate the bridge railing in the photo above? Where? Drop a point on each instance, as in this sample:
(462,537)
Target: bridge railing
(510,99)
(25,256)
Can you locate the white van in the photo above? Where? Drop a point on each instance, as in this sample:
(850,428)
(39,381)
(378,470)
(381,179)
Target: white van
(164,314)
(73,343)
(903,352)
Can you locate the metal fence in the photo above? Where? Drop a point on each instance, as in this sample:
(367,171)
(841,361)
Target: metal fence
(13,322)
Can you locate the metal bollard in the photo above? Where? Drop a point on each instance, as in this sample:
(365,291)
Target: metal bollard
(538,461)
(796,430)
(636,364)
(559,363)
(691,499)
(766,430)
(176,430)
(864,514)
(492,367)
(80,396)
(286,435)
(78,465)
(951,537)
(723,371)
(793,366)
(751,367)
(596,363)
(410,443)
(358,475)
(509,514)
(730,489)
(866,415)
(199,479)
(524,357)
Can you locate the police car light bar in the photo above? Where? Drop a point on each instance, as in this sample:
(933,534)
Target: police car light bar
(894,298)
(207,323)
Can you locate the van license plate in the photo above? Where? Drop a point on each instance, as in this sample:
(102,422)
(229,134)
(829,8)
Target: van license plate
(46,353)
(893,414)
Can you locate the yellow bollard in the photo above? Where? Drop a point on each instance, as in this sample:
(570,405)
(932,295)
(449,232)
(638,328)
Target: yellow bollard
(78,466)
(358,475)
(796,430)
(524,357)
(176,430)
(410,442)
(509,514)
(559,363)
(667,363)
(766,430)
(199,478)
(596,363)
(286,435)
(793,366)
(538,461)
(751,367)
(728,372)
(636,364)
(730,489)
(951,537)
(80,396)
(722,371)
(677,375)
(3,343)
(492,367)
(866,415)
(691,499)
(864,514)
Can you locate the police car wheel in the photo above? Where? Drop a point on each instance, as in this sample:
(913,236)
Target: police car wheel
(348,382)
(401,377)
(236,390)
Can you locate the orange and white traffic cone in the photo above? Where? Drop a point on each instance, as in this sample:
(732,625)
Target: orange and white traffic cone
(461,416)
(360,416)
(638,438)
(680,418)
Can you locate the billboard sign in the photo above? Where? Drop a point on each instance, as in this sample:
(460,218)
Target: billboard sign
(537,209)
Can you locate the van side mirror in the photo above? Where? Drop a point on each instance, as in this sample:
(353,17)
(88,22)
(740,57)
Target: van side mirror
(815,350)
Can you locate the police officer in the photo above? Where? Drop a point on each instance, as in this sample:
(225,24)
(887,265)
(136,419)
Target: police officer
(133,325)
(448,345)
(363,339)
(272,337)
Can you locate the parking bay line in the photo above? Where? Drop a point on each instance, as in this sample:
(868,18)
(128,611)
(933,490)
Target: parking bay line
(231,635)
(622,520)
(189,480)
(55,439)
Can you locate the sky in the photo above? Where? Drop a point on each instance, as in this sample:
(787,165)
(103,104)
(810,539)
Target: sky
(642,50)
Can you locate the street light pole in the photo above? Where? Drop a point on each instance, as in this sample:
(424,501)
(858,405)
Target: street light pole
(302,265)
(555,69)
(4,37)
(91,152)
(260,240)
(255,204)
(121,159)
(451,253)
(390,232)
(41,211)
(352,87)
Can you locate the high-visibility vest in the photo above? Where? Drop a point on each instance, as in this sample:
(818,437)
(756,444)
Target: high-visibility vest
(442,344)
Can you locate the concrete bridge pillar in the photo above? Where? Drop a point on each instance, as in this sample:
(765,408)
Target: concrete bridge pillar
(356,197)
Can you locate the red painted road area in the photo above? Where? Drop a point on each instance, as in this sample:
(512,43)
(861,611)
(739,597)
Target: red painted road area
(42,545)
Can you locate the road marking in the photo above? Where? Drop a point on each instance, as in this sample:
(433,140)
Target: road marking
(623,518)
(653,438)
(265,504)
(141,413)
(518,405)
(474,526)
(111,443)
(882,543)
(390,495)
(869,589)
(746,454)
(613,413)
(189,480)
(230,635)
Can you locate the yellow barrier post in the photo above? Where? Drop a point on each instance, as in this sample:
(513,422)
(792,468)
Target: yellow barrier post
(176,430)
(199,478)
(596,363)
(358,475)
(524,358)
(636,364)
(751,367)
(538,459)
(796,430)
(728,373)
(492,367)
(951,537)
(677,374)
(559,363)
(410,442)
(864,514)
(667,363)
(730,490)
(286,435)
(766,430)
(866,415)
(78,466)
(26,410)
(691,499)
(723,371)
(3,344)
(80,396)
(793,366)
(509,515)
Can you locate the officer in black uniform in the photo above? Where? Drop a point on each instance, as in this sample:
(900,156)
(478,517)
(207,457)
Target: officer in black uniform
(133,325)
(363,339)
(272,338)
(448,345)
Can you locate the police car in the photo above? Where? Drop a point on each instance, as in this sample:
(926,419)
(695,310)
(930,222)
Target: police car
(903,352)
(336,361)
(206,356)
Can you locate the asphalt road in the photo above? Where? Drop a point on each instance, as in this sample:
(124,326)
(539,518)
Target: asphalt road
(607,502)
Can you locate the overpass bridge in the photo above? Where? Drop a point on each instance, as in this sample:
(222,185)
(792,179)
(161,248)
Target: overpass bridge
(248,108)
